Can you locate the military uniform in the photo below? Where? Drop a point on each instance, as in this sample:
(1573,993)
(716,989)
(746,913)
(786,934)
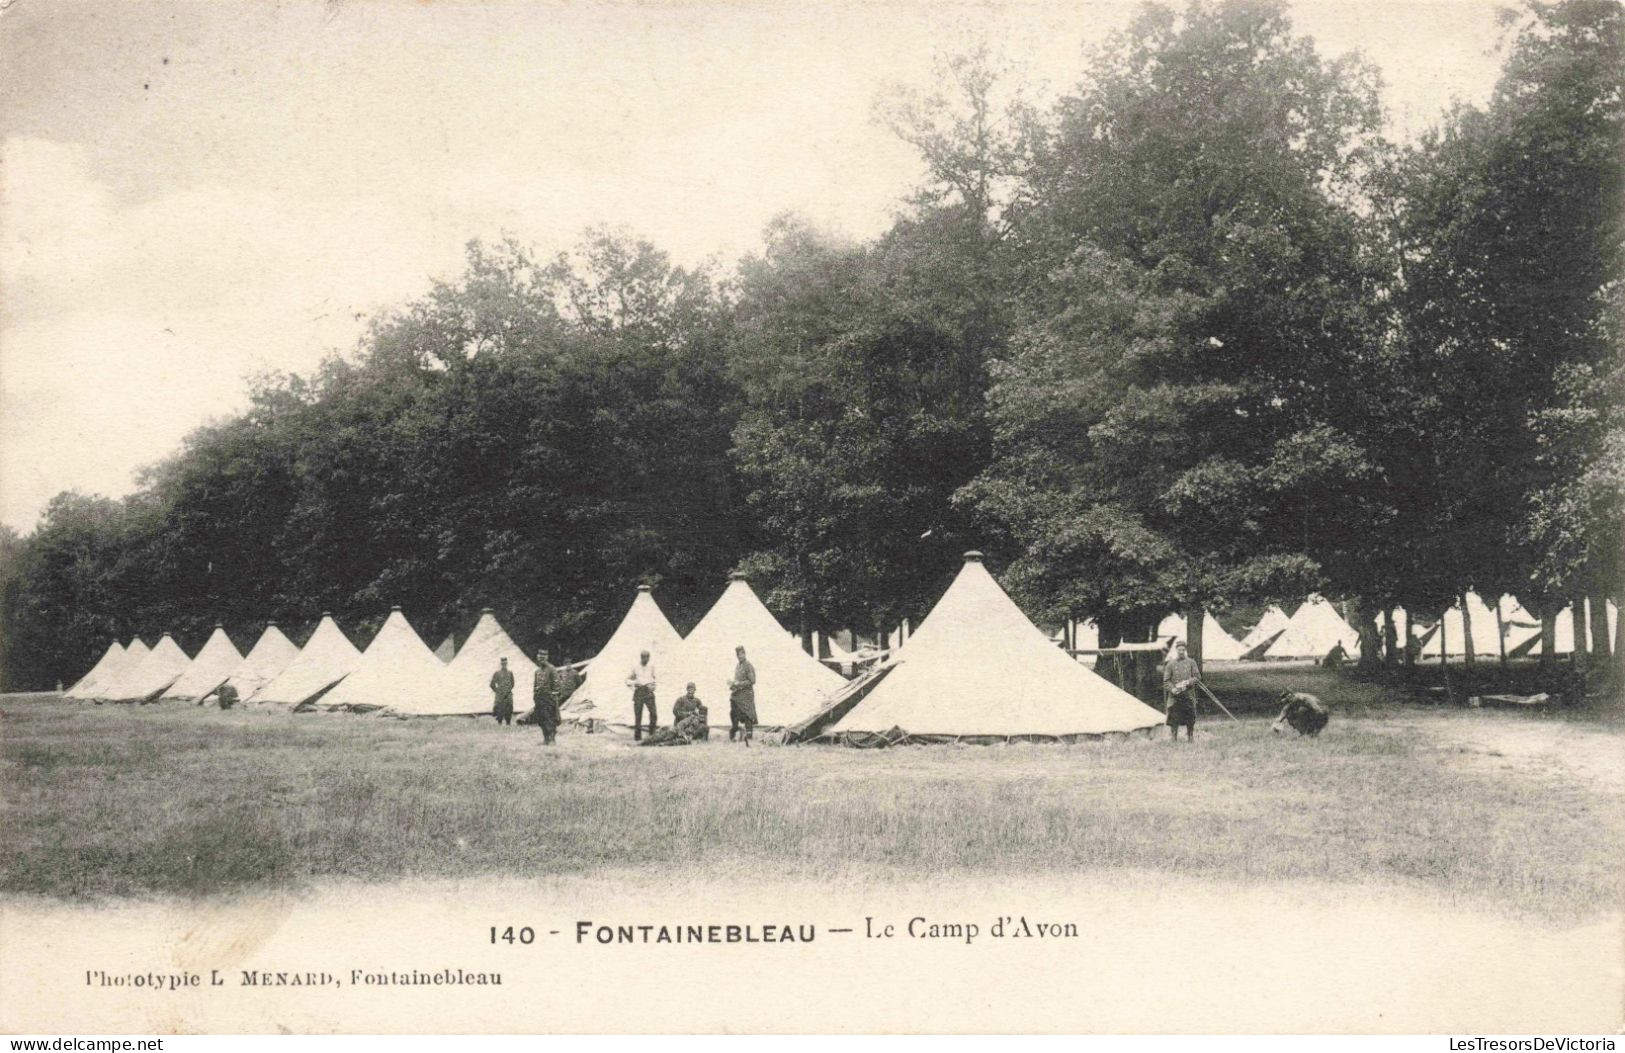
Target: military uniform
(545,694)
(227,696)
(742,700)
(502,687)
(1181,703)
(689,724)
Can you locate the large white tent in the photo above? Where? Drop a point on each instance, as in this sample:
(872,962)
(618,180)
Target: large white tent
(270,655)
(791,685)
(396,672)
(465,687)
(1314,629)
(1217,644)
(978,668)
(1451,630)
(325,660)
(1525,640)
(603,693)
(105,670)
(1272,624)
(208,670)
(151,677)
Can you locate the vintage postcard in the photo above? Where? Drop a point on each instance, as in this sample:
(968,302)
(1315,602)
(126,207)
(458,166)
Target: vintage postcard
(746,517)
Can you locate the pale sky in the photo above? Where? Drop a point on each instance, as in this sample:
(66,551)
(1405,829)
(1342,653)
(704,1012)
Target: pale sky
(192,192)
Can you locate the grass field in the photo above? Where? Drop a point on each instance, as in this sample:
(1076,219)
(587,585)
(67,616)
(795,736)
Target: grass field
(1517,809)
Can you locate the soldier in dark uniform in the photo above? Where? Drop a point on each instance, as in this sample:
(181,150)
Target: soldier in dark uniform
(227,696)
(502,688)
(742,698)
(545,694)
(1179,679)
(689,723)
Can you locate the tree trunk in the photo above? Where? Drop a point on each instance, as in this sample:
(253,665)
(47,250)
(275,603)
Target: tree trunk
(1411,646)
(1600,636)
(1365,618)
(1466,628)
(1194,617)
(1577,615)
(1619,645)
(1548,635)
(1501,633)
(1390,639)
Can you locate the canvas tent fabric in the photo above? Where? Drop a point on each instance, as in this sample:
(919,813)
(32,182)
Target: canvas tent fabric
(603,693)
(152,675)
(465,688)
(1525,640)
(447,649)
(396,672)
(978,668)
(791,685)
(1217,645)
(1273,622)
(1313,630)
(105,670)
(1451,630)
(208,670)
(269,656)
(325,660)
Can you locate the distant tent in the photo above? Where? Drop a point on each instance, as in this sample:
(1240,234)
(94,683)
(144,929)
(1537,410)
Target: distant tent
(979,669)
(1271,625)
(603,693)
(791,685)
(447,649)
(1526,640)
(105,669)
(1314,629)
(1486,633)
(152,676)
(327,658)
(208,670)
(396,672)
(465,685)
(1217,645)
(269,657)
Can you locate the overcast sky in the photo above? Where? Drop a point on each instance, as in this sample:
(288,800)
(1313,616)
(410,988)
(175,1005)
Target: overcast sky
(194,192)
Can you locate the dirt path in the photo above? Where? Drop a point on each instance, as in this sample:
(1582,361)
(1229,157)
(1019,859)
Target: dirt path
(1530,743)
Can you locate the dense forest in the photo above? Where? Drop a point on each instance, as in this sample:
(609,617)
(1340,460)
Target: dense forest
(1198,334)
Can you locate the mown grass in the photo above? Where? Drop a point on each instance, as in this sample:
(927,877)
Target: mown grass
(136,800)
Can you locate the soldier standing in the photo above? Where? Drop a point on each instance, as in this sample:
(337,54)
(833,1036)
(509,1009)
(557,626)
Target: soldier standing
(742,698)
(545,694)
(502,688)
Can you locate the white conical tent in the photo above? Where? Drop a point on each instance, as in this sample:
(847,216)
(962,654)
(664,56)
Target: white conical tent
(105,670)
(1313,630)
(978,667)
(1480,616)
(466,683)
(153,674)
(271,654)
(1273,623)
(603,693)
(1526,639)
(135,652)
(791,685)
(1217,645)
(396,672)
(208,670)
(325,660)
(447,649)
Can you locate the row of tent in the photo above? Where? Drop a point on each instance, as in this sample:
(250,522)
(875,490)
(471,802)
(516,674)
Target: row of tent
(397,672)
(1312,631)
(975,668)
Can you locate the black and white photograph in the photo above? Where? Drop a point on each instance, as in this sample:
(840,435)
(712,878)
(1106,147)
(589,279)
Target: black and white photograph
(735,517)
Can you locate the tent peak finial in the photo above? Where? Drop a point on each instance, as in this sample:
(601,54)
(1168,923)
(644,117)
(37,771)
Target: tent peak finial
(485,610)
(973,556)
(646,588)
(737,575)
